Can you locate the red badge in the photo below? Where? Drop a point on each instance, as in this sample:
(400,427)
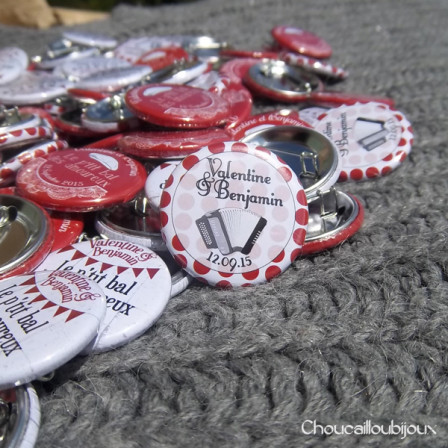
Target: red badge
(178,106)
(301,41)
(67,228)
(160,58)
(81,180)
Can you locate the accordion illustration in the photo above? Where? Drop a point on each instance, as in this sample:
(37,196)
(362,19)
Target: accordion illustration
(230,230)
(370,133)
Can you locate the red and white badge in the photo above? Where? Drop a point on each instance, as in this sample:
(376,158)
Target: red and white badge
(81,180)
(311,114)
(156,181)
(233,214)
(284,117)
(10,167)
(240,100)
(301,41)
(178,106)
(76,69)
(13,62)
(114,79)
(170,144)
(22,137)
(67,227)
(159,58)
(334,217)
(317,66)
(134,279)
(372,139)
(47,318)
(33,88)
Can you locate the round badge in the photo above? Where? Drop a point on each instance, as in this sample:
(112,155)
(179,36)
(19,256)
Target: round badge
(301,41)
(90,39)
(76,69)
(46,319)
(26,235)
(33,88)
(22,137)
(233,214)
(114,79)
(13,62)
(156,181)
(240,100)
(284,117)
(126,272)
(322,68)
(160,58)
(81,179)
(311,114)
(53,58)
(178,106)
(170,144)
(334,217)
(21,426)
(10,167)
(236,69)
(372,139)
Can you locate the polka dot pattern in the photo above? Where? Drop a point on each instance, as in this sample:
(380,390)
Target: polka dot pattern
(236,191)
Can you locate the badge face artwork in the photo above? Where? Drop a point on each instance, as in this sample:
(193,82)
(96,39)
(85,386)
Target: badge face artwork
(372,139)
(301,41)
(178,106)
(46,318)
(135,280)
(81,179)
(233,214)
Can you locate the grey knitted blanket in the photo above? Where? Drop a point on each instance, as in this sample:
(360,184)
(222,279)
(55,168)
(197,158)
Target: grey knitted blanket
(345,344)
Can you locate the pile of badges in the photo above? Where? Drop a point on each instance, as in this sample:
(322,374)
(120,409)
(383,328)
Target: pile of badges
(129,169)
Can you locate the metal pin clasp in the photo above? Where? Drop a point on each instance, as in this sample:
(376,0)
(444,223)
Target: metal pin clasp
(5,413)
(7,215)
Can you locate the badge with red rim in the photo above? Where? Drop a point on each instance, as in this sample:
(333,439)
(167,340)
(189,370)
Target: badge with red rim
(301,41)
(372,139)
(126,272)
(284,117)
(174,144)
(81,180)
(156,181)
(236,69)
(178,106)
(21,137)
(50,317)
(159,58)
(233,214)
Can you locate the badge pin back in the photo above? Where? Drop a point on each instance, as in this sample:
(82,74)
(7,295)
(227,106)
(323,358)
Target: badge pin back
(334,217)
(174,144)
(301,41)
(10,168)
(371,138)
(81,180)
(51,316)
(204,48)
(233,214)
(281,82)
(69,122)
(33,88)
(90,39)
(115,79)
(255,123)
(131,222)
(21,411)
(26,237)
(311,155)
(156,181)
(126,272)
(13,62)
(177,106)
